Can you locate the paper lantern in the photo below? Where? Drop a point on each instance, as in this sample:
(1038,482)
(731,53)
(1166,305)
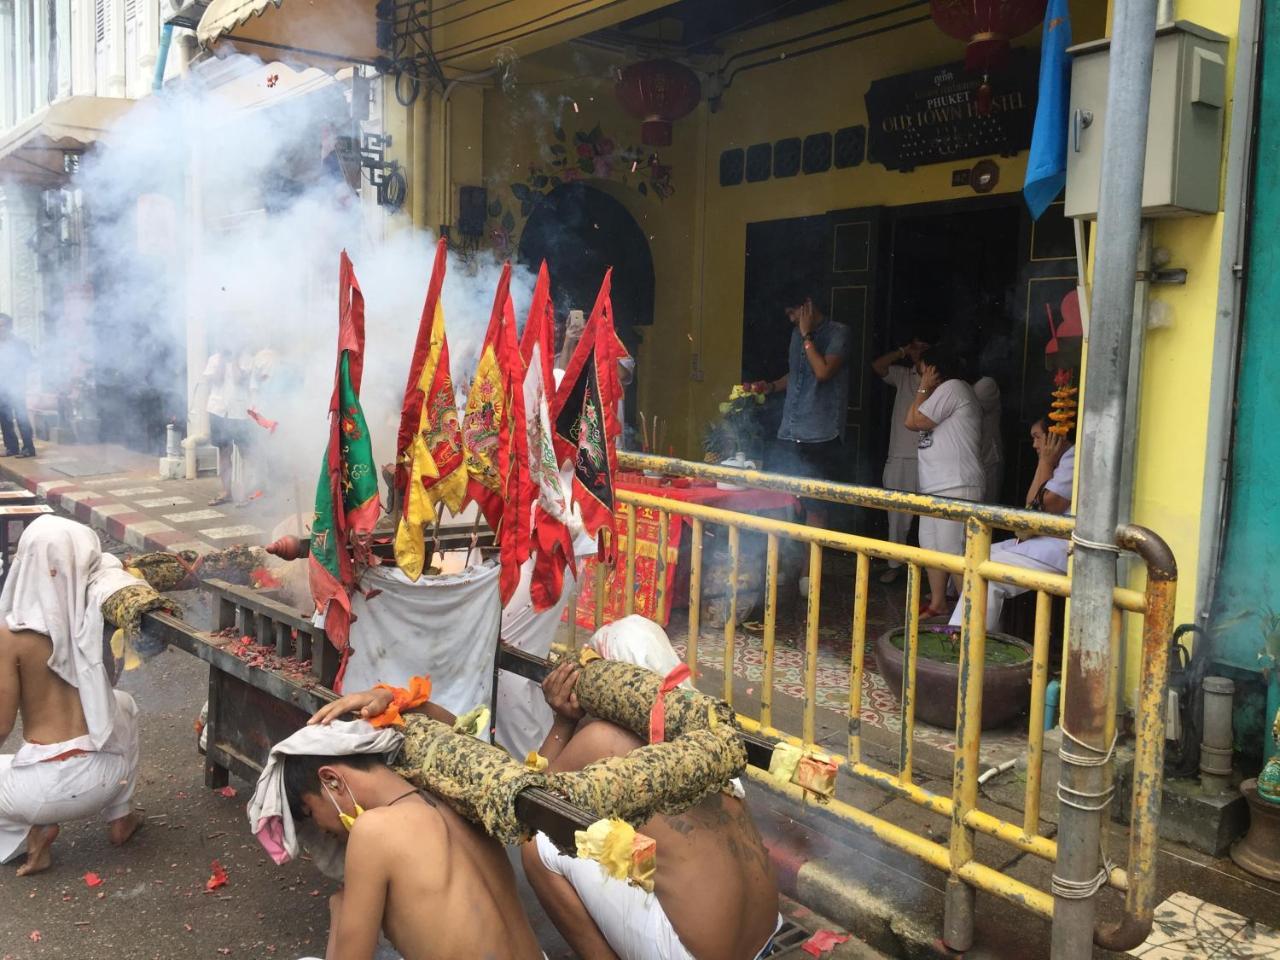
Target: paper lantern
(657,93)
(986,26)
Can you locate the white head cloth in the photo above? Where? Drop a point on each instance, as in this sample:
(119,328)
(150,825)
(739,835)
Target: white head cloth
(59,580)
(637,640)
(269,815)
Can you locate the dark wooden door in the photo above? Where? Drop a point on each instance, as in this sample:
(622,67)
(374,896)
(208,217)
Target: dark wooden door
(853,255)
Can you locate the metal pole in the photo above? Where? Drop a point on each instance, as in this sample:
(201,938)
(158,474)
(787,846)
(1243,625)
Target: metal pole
(1085,788)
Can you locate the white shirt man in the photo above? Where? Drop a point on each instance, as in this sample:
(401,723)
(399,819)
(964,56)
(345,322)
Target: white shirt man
(988,393)
(900,465)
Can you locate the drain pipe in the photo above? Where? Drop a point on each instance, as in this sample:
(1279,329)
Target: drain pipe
(1086,785)
(1216,741)
(162,58)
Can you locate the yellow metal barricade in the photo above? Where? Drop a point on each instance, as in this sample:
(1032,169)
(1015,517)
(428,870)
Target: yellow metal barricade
(956,856)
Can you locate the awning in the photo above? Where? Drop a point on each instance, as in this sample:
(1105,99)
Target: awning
(34,150)
(328,34)
(465,34)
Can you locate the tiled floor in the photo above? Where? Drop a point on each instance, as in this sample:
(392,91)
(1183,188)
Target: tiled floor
(1187,927)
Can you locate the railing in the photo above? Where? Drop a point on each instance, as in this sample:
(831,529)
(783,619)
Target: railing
(956,857)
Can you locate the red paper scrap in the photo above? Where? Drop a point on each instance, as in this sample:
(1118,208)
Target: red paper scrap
(824,941)
(218,878)
(227,792)
(91,879)
(34,936)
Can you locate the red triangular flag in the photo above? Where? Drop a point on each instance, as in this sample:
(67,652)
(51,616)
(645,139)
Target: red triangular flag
(552,541)
(513,458)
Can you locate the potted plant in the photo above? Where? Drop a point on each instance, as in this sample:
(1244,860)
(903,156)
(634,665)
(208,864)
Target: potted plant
(1006,675)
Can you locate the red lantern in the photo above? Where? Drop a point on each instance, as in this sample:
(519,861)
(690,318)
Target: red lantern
(987,26)
(657,93)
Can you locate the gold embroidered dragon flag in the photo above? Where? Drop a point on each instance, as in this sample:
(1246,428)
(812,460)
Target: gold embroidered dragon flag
(485,412)
(430,467)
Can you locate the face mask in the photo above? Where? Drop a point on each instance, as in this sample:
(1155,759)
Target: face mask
(346,819)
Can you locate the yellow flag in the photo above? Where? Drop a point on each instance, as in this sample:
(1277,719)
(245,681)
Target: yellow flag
(434,456)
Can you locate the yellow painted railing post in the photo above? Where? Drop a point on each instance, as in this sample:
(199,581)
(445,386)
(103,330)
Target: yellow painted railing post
(1035,731)
(857,655)
(629,600)
(770,629)
(811,643)
(910,657)
(957,931)
(695,597)
(731,615)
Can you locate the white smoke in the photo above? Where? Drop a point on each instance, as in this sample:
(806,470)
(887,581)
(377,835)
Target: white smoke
(261,265)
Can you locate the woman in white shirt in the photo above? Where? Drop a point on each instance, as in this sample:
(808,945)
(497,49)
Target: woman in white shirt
(949,417)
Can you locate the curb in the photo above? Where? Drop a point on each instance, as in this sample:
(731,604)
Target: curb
(120,522)
(860,907)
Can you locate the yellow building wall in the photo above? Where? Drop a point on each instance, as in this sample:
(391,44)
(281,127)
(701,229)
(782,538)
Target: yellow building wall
(1174,400)
(692,355)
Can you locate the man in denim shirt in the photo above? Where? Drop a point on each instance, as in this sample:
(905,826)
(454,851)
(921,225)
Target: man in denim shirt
(817,386)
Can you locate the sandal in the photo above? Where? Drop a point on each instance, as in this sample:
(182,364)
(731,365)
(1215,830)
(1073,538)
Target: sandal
(219,500)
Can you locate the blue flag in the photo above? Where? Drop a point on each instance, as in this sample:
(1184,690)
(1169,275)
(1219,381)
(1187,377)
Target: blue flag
(1047,164)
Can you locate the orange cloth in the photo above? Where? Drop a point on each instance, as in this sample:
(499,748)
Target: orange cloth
(419,692)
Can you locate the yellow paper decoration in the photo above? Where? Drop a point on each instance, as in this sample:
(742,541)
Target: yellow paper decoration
(473,723)
(783,763)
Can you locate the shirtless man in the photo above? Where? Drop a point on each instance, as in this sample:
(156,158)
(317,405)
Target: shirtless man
(80,756)
(716,898)
(435,884)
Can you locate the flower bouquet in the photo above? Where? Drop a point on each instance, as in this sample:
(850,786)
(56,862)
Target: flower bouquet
(739,431)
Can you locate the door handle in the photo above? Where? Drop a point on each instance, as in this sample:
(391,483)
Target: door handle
(1080,120)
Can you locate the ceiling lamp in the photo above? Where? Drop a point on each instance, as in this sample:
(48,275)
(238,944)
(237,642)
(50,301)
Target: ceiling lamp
(657,93)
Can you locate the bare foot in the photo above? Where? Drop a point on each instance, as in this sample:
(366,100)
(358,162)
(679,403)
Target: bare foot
(39,850)
(119,831)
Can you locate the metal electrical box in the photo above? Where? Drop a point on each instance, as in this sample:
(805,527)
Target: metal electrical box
(1184,127)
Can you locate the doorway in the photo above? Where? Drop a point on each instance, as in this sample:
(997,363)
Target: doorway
(977,272)
(952,273)
(581,231)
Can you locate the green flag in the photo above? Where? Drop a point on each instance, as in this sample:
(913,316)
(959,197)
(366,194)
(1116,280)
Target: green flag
(347,502)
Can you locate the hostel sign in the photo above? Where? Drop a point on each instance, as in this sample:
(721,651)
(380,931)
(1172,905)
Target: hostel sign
(933,116)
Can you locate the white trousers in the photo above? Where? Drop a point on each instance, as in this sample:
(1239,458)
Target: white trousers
(997,593)
(632,921)
(900,473)
(947,536)
(42,793)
